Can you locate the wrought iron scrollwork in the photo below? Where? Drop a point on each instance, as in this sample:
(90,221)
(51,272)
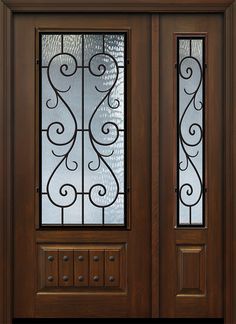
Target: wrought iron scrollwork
(190,136)
(100,70)
(57,129)
(62,136)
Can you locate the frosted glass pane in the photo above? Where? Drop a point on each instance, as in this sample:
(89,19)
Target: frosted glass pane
(92,214)
(82,129)
(73,214)
(190,131)
(115,214)
(50,213)
(115,45)
(73,44)
(50,46)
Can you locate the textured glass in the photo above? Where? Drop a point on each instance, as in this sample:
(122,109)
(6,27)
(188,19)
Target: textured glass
(190,131)
(82,128)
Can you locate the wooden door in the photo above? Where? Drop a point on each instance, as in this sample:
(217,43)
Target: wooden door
(74,259)
(191,164)
(92,268)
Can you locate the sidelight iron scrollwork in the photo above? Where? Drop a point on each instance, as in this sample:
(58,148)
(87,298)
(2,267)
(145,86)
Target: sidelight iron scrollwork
(190,131)
(90,131)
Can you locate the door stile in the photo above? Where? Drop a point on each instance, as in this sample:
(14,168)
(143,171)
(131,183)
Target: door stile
(155,164)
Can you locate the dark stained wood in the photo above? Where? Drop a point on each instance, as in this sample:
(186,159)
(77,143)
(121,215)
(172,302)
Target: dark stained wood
(50,269)
(96,268)
(112,268)
(132,297)
(81,265)
(5,97)
(110,261)
(73,237)
(2,167)
(228,183)
(191,270)
(6,159)
(210,238)
(155,165)
(24,149)
(66,268)
(118,5)
(232,243)
(229,154)
(89,306)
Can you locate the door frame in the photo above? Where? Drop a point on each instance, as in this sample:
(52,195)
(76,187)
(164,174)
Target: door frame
(226,7)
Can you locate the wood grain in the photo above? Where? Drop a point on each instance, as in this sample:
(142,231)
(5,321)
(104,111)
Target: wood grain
(6,160)
(81,264)
(132,298)
(5,125)
(232,244)
(228,167)
(211,236)
(155,165)
(118,5)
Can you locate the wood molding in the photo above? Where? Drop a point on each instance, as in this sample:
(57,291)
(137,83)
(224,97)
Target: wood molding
(232,243)
(7,7)
(228,295)
(117,5)
(229,167)
(5,166)
(155,164)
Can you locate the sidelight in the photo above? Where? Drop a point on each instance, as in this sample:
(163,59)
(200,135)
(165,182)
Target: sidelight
(190,131)
(82,132)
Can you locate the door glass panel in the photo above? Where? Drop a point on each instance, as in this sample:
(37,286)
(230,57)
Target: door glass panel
(82,128)
(190,131)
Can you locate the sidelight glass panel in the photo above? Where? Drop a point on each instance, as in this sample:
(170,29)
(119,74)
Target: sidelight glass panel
(82,128)
(190,131)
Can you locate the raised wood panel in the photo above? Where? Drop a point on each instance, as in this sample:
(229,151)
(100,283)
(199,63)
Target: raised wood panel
(191,268)
(51,269)
(81,264)
(66,268)
(112,268)
(81,268)
(96,265)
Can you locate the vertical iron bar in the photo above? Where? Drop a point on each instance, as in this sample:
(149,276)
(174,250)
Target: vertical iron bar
(62,210)
(40,128)
(103,47)
(82,196)
(177,142)
(103,44)
(103,215)
(203,133)
(62,43)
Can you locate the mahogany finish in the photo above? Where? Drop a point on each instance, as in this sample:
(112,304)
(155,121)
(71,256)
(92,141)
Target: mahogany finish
(191,259)
(81,265)
(229,146)
(111,301)
(142,6)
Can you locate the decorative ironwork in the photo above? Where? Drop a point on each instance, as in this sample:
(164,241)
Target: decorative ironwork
(89,130)
(190,131)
